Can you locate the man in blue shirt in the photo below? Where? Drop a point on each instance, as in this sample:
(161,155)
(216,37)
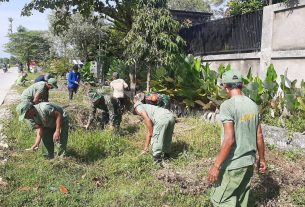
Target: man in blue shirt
(73,81)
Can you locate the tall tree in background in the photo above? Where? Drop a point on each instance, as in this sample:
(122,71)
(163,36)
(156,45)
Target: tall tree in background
(118,13)
(82,38)
(27,45)
(153,39)
(10,26)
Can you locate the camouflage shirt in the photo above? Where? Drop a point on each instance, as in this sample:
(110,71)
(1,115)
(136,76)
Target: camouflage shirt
(107,104)
(39,87)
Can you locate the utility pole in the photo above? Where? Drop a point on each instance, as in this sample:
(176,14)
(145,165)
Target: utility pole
(10,26)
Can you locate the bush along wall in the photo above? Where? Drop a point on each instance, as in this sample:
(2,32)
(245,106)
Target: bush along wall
(194,86)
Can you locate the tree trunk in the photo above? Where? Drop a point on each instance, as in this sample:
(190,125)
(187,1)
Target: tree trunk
(99,70)
(148,80)
(270,2)
(28,65)
(132,78)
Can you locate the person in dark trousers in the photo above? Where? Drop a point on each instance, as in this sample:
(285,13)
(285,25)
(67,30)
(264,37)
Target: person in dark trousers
(20,68)
(4,67)
(73,81)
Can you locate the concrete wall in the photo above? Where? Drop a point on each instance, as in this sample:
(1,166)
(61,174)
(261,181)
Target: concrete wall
(282,44)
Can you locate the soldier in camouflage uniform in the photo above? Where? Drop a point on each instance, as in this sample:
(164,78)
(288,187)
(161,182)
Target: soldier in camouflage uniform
(108,105)
(38,92)
(157,99)
(51,123)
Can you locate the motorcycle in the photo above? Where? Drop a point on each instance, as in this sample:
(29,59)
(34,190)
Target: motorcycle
(4,69)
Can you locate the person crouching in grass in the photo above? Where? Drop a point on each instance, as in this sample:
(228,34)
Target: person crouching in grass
(51,123)
(160,123)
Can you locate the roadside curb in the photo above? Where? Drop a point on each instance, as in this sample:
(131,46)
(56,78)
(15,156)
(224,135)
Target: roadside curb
(11,97)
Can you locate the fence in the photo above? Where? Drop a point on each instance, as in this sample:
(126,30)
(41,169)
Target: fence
(234,34)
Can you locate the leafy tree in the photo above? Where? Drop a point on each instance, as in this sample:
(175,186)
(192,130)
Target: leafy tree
(10,26)
(193,5)
(237,7)
(28,45)
(153,39)
(82,35)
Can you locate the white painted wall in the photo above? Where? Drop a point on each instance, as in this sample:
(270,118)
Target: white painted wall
(282,44)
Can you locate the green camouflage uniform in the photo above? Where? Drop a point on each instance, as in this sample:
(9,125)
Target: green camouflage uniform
(163,100)
(39,87)
(21,80)
(110,110)
(163,126)
(45,119)
(233,186)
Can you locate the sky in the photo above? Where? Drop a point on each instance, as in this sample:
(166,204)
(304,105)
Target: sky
(38,21)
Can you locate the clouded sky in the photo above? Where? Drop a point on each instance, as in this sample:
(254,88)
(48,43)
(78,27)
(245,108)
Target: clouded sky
(38,21)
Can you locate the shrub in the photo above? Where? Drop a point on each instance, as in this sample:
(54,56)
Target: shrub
(58,66)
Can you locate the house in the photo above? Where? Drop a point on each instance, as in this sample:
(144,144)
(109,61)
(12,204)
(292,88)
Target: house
(191,17)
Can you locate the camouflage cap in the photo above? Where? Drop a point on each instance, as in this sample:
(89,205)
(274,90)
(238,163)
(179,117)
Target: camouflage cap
(231,76)
(53,82)
(94,95)
(22,108)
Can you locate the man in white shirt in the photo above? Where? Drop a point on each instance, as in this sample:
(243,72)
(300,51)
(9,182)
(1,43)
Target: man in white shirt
(118,86)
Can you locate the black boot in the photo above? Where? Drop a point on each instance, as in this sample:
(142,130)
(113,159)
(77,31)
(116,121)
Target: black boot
(167,156)
(157,159)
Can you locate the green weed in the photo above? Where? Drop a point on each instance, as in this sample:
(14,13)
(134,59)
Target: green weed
(298,197)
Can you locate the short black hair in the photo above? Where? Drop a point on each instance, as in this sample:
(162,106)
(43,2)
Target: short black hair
(234,85)
(75,67)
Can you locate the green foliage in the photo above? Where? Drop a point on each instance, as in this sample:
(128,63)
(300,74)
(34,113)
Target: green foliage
(294,155)
(153,39)
(86,74)
(118,65)
(196,86)
(237,7)
(194,5)
(190,82)
(298,197)
(242,7)
(189,5)
(81,38)
(58,66)
(28,45)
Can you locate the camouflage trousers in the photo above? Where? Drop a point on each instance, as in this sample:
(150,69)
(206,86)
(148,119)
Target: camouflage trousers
(113,113)
(47,139)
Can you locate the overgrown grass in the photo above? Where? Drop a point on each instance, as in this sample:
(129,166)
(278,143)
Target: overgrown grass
(31,77)
(101,168)
(295,123)
(298,196)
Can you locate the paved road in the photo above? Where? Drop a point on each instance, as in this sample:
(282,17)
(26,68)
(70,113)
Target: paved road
(6,81)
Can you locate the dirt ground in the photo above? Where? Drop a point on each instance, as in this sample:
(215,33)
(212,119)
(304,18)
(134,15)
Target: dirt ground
(271,190)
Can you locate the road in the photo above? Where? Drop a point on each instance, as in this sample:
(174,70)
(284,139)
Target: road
(6,81)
